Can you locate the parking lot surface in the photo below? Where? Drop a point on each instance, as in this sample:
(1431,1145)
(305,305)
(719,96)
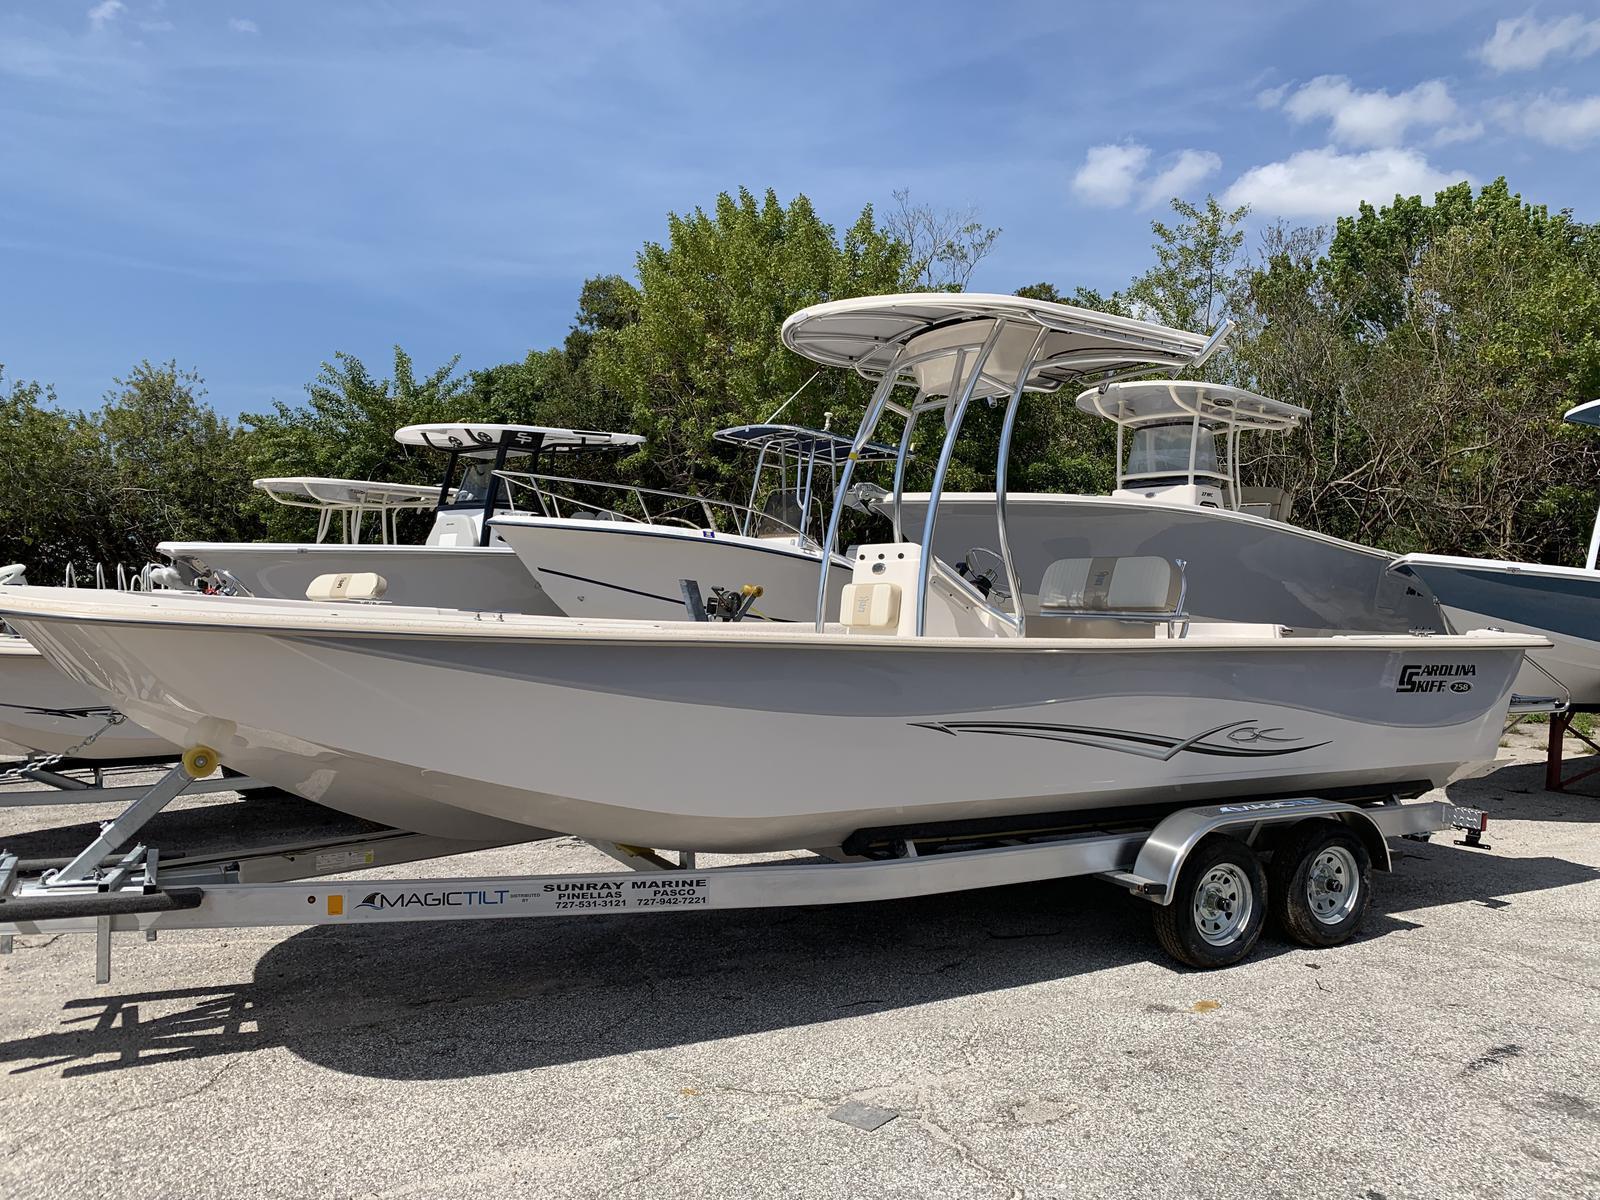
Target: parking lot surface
(1028,1041)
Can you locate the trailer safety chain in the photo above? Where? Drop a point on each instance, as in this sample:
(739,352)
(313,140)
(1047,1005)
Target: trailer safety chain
(21,773)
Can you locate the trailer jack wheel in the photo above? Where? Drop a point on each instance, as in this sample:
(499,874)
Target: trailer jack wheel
(1218,906)
(1320,883)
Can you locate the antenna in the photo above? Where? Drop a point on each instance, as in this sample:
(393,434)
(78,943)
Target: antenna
(790,400)
(1213,344)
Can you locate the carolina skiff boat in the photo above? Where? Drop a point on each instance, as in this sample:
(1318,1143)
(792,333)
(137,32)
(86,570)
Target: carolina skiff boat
(461,562)
(1178,497)
(1559,603)
(926,706)
(627,562)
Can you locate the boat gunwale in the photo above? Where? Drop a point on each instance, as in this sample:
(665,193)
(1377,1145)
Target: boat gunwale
(309,619)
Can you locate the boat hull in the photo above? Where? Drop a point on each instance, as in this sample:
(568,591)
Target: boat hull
(1237,566)
(623,571)
(42,711)
(782,740)
(485,578)
(1559,603)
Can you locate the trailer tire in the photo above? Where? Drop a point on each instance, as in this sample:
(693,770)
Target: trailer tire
(1218,906)
(1320,883)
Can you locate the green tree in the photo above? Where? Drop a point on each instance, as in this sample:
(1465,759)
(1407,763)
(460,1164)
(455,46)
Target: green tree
(48,469)
(704,351)
(1197,266)
(1438,345)
(168,468)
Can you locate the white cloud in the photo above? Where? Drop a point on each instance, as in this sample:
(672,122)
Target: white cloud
(1114,174)
(1328,182)
(1467,131)
(1110,173)
(243,25)
(1553,118)
(1373,118)
(1187,170)
(105,12)
(1271,97)
(1523,43)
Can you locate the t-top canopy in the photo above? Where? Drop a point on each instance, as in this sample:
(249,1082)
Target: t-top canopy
(1138,403)
(868,333)
(476,440)
(305,491)
(1587,413)
(796,441)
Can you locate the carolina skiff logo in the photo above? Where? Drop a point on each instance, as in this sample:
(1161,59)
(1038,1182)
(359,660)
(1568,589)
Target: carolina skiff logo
(471,899)
(1236,739)
(1435,677)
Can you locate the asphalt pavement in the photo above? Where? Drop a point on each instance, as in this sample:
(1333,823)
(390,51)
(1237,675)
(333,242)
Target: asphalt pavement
(1028,1041)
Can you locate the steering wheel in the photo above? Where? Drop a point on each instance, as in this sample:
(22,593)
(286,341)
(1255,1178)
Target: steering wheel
(985,570)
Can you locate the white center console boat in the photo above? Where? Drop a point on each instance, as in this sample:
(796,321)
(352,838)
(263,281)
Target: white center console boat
(629,557)
(927,716)
(460,562)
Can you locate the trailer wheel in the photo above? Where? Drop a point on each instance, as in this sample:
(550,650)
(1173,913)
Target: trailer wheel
(1218,907)
(1320,883)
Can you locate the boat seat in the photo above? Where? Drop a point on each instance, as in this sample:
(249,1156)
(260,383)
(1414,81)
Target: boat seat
(348,585)
(1110,597)
(1229,631)
(1140,586)
(1273,503)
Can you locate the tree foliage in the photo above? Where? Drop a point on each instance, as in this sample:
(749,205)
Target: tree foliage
(943,245)
(1437,346)
(153,462)
(703,351)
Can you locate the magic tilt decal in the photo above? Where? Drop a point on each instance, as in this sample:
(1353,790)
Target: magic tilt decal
(1236,739)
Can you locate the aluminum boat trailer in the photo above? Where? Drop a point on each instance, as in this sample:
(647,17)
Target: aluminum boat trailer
(60,780)
(1201,867)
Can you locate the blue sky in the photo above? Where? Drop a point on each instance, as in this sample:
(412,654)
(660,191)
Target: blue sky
(248,187)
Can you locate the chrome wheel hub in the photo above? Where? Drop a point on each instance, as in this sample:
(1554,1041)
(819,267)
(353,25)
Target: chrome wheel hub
(1223,904)
(1333,885)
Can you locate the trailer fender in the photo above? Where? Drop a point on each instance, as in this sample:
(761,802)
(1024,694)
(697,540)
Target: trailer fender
(1161,857)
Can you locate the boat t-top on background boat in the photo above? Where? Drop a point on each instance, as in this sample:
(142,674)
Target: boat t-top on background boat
(927,705)
(1179,496)
(629,560)
(460,562)
(345,505)
(1559,603)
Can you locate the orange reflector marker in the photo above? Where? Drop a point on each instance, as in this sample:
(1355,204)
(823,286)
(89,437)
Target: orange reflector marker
(336,906)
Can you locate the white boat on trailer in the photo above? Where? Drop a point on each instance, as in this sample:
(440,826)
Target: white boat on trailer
(616,562)
(927,716)
(460,561)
